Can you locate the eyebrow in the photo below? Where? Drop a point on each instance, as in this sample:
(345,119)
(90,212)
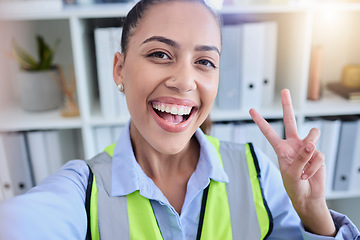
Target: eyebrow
(163,40)
(198,48)
(205,48)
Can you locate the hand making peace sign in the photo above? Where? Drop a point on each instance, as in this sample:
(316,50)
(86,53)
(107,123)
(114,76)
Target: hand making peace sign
(302,169)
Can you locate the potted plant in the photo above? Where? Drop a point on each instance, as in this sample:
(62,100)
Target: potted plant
(38,81)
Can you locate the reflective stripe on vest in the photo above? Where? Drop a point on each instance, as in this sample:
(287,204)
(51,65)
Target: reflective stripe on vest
(262,210)
(217,223)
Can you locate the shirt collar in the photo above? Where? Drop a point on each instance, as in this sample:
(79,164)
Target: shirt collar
(128,176)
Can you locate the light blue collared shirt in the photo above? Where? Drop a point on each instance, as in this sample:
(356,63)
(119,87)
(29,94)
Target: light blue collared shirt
(55,208)
(127,177)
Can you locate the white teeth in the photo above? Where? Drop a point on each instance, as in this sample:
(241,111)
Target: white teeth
(180,110)
(174,111)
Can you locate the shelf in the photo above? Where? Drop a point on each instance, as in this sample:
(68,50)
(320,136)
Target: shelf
(262,8)
(99,10)
(233,115)
(291,7)
(218,115)
(335,6)
(31,11)
(271,112)
(14,118)
(20,11)
(342,195)
(11,12)
(331,104)
(97,119)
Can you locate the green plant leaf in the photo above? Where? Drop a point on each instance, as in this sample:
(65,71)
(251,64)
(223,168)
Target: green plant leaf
(52,53)
(25,60)
(48,54)
(41,49)
(47,59)
(45,54)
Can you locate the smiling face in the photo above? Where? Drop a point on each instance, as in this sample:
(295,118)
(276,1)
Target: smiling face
(170,74)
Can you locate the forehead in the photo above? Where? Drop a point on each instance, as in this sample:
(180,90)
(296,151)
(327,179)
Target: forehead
(185,22)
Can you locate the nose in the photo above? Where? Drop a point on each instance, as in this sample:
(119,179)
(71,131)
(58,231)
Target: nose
(183,79)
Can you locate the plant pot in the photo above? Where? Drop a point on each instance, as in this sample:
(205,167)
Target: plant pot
(39,90)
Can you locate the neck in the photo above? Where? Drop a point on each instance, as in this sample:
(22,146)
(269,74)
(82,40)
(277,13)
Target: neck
(169,172)
(158,165)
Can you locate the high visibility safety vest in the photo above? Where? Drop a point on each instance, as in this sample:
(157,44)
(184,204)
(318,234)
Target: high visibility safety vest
(236,210)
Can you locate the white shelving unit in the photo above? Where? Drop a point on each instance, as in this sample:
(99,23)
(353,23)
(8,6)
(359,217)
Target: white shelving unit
(300,27)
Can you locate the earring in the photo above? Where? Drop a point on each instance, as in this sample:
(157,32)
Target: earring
(120,86)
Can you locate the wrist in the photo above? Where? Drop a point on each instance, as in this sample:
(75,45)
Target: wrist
(316,217)
(308,208)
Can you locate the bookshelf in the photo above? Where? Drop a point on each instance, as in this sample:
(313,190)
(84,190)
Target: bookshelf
(300,27)
(13,118)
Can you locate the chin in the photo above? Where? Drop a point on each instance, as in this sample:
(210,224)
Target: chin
(173,145)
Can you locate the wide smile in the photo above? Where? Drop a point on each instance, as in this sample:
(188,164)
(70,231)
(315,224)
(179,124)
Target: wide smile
(173,117)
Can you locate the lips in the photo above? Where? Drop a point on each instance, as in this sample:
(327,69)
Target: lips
(173,115)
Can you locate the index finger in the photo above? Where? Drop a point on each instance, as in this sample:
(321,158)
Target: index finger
(288,115)
(265,128)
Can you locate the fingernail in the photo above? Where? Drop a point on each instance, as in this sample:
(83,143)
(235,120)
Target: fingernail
(309,147)
(304,176)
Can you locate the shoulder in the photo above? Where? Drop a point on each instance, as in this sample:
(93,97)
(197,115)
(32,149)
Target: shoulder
(54,209)
(73,174)
(102,158)
(69,181)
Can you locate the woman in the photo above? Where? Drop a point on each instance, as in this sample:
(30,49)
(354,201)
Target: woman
(168,71)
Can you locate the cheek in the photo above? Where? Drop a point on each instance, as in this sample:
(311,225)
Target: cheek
(209,89)
(134,92)
(136,84)
(138,87)
(143,76)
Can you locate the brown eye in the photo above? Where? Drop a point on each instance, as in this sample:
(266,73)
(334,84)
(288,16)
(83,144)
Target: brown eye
(160,55)
(206,63)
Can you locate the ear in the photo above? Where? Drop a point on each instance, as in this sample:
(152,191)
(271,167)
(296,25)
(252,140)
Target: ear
(118,68)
